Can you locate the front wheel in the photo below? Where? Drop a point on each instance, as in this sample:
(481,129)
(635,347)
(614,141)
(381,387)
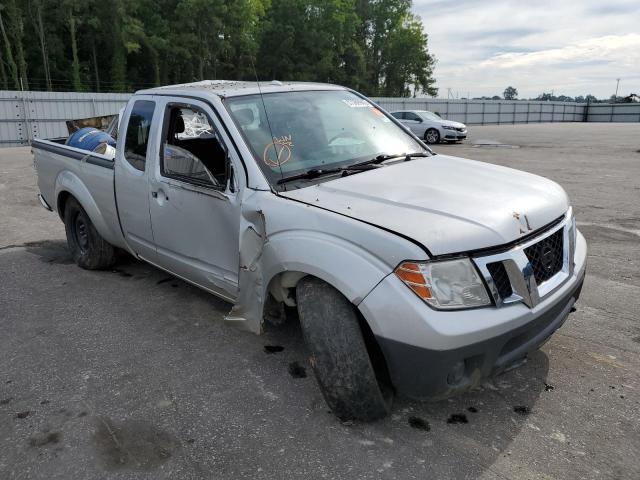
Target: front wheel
(88,249)
(432,136)
(342,364)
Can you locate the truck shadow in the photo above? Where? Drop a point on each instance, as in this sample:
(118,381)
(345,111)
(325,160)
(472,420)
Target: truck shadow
(463,435)
(459,437)
(50,251)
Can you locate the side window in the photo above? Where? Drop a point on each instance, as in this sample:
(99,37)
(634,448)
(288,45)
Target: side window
(137,136)
(398,115)
(192,151)
(412,116)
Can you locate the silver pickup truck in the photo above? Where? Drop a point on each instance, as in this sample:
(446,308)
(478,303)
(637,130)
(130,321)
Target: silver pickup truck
(411,272)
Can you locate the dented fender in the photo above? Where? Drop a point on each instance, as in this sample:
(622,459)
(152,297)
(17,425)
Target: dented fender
(282,241)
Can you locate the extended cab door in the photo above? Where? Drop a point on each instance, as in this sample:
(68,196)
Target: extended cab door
(194,204)
(136,146)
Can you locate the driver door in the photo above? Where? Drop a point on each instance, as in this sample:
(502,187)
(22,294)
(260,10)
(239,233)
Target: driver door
(195,203)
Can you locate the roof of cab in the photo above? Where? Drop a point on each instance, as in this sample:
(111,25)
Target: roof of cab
(232,88)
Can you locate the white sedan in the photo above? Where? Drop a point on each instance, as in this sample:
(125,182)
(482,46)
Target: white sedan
(431,127)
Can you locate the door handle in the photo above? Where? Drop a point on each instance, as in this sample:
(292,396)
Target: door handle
(155,195)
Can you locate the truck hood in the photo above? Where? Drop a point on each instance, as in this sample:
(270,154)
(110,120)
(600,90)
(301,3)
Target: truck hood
(447,204)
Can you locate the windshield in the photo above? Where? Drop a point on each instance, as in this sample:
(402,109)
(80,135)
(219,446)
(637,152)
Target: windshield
(315,130)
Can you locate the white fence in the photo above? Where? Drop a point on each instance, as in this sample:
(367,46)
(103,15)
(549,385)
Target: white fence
(614,112)
(495,112)
(27,115)
(487,112)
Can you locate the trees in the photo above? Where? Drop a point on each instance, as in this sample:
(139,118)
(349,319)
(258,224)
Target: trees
(395,45)
(510,93)
(376,46)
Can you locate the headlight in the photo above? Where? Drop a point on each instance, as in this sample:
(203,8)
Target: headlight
(448,285)
(447,127)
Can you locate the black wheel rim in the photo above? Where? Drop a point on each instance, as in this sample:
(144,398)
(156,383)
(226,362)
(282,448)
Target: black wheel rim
(81,233)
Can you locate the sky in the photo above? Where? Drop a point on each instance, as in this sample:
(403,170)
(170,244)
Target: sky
(569,47)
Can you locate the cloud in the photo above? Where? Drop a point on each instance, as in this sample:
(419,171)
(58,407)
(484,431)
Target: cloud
(594,51)
(573,48)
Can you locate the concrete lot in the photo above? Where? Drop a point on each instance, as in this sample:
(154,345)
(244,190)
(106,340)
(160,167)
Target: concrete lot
(132,374)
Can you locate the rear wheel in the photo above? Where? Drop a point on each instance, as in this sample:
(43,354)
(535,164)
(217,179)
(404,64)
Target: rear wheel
(432,136)
(88,249)
(342,364)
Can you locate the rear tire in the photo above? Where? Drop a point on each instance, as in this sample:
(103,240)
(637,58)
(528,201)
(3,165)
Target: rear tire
(339,355)
(88,249)
(432,136)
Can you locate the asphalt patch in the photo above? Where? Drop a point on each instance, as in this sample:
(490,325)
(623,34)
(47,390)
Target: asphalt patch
(24,414)
(134,445)
(43,439)
(419,424)
(122,273)
(522,409)
(457,418)
(297,371)
(273,349)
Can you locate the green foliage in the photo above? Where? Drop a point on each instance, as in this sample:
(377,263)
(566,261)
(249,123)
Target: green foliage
(510,93)
(376,46)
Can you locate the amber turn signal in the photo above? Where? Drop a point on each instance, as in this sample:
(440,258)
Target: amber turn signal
(412,276)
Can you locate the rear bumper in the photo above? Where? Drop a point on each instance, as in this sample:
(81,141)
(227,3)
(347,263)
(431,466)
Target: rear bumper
(431,374)
(44,203)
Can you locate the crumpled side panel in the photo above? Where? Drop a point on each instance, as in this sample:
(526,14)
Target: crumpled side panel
(246,314)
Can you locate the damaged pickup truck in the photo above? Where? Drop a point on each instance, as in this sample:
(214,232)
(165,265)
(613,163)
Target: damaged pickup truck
(411,272)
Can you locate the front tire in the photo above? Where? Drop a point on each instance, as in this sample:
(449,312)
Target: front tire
(88,249)
(432,136)
(339,355)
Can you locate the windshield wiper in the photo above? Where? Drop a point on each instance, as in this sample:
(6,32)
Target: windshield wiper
(319,172)
(383,157)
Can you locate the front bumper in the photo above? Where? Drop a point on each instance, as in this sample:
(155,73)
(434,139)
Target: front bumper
(454,135)
(431,374)
(433,354)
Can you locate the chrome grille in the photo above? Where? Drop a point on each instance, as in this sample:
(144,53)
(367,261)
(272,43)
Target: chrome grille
(533,269)
(546,256)
(500,279)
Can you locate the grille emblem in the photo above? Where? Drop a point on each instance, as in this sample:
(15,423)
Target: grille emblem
(547,258)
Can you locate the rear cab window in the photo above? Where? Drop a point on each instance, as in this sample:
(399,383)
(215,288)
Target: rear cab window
(137,136)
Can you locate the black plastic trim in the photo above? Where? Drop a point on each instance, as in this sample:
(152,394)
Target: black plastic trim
(505,246)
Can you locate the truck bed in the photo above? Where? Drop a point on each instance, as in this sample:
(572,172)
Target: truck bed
(63,170)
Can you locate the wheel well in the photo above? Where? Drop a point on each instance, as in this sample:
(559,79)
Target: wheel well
(61,202)
(282,288)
